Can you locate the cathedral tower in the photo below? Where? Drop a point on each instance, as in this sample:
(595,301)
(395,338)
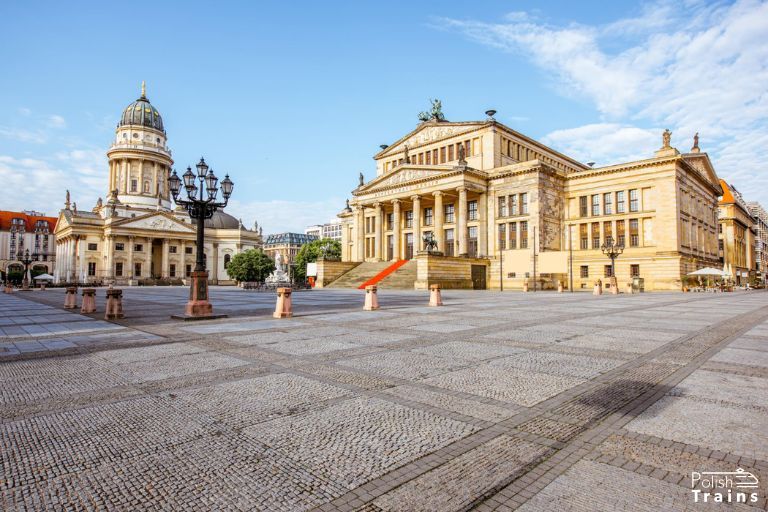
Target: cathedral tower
(139,160)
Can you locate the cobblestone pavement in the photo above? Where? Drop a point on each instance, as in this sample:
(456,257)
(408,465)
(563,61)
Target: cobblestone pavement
(496,401)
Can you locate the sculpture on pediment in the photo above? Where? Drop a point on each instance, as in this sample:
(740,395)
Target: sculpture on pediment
(74,207)
(407,158)
(362,180)
(666,138)
(66,201)
(347,208)
(435,113)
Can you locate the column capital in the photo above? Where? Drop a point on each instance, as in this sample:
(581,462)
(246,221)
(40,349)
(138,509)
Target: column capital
(437,193)
(377,205)
(131,237)
(396,202)
(461,189)
(415,197)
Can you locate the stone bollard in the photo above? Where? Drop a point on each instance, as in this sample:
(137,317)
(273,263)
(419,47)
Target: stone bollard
(630,291)
(598,288)
(435,299)
(42,286)
(614,286)
(283,308)
(8,288)
(70,299)
(114,307)
(89,301)
(525,286)
(559,287)
(371,298)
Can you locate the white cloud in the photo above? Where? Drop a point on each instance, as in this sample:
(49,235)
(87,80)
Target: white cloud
(23,135)
(689,66)
(56,121)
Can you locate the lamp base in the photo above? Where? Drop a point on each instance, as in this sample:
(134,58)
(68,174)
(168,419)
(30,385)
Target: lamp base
(198,307)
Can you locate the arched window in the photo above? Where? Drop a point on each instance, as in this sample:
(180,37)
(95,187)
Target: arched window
(227,257)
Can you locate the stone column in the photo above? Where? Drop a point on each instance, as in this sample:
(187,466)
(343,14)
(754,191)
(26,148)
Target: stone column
(81,243)
(129,270)
(461,224)
(396,234)
(482,230)
(126,176)
(438,215)
(110,252)
(164,270)
(378,233)
(360,233)
(492,228)
(416,224)
(183,259)
(215,267)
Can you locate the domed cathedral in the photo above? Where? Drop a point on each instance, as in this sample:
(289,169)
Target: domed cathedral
(137,236)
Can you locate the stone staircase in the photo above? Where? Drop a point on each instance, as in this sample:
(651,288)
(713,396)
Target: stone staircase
(359,274)
(402,279)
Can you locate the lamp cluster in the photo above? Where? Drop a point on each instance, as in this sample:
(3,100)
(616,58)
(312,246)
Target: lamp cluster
(196,203)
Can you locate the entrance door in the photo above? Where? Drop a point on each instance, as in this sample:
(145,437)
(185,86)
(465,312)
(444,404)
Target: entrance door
(409,246)
(478,277)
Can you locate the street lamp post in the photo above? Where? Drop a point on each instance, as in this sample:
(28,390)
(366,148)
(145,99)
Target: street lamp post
(201,204)
(26,260)
(612,250)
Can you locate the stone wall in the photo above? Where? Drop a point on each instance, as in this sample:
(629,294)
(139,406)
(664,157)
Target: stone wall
(448,272)
(328,271)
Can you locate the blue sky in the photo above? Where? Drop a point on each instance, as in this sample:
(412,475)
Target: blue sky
(292,99)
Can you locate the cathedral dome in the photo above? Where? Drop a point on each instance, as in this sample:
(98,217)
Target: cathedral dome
(142,113)
(221,220)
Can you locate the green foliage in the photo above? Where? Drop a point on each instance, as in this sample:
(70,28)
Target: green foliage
(251,265)
(312,251)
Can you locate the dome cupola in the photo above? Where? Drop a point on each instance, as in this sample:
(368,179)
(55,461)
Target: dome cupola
(142,113)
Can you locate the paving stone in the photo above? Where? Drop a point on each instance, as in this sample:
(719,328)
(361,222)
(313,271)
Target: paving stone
(403,364)
(452,403)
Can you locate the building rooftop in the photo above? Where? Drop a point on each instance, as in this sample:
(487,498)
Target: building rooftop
(30,219)
(289,239)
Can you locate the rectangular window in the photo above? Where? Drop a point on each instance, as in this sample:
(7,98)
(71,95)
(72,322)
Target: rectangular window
(428,158)
(427,216)
(119,269)
(608,203)
(138,248)
(595,235)
(513,205)
(584,271)
(449,214)
(172,249)
(467,148)
(608,232)
(442,155)
(93,247)
(421,158)
(172,270)
(472,242)
(502,236)
(188,250)
(502,206)
(634,234)
(634,203)
(450,153)
(449,242)
(620,202)
(434,156)
(187,270)
(584,235)
(119,246)
(390,221)
(595,205)
(620,239)
(608,271)
(634,270)
(583,206)
(409,219)
(524,203)
(91,268)
(137,269)
(524,234)
(472,210)
(513,235)
(134,185)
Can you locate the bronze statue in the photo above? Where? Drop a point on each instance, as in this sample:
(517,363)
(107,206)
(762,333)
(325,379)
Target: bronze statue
(362,180)
(435,113)
(696,141)
(430,244)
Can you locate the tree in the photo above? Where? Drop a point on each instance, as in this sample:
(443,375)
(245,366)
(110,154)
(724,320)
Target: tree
(311,251)
(250,265)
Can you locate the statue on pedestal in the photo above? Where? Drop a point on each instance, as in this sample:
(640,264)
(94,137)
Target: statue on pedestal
(278,277)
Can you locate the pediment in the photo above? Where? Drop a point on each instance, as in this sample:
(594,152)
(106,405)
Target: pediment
(426,133)
(400,176)
(155,222)
(701,162)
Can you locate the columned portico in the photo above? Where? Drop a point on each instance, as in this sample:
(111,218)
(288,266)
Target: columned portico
(396,230)
(439,216)
(462,222)
(417,214)
(378,233)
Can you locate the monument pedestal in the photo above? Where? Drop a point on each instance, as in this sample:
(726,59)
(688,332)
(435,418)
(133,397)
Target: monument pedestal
(198,307)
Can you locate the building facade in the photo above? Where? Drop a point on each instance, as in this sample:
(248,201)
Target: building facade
(736,236)
(287,244)
(330,230)
(137,234)
(761,240)
(518,211)
(22,231)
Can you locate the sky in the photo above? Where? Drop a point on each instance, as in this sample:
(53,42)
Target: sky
(293,99)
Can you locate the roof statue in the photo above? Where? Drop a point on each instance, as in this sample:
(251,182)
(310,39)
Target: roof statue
(256,225)
(436,113)
(347,208)
(407,158)
(695,148)
(66,201)
(74,207)
(462,155)
(240,220)
(362,180)
(666,138)
(99,204)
